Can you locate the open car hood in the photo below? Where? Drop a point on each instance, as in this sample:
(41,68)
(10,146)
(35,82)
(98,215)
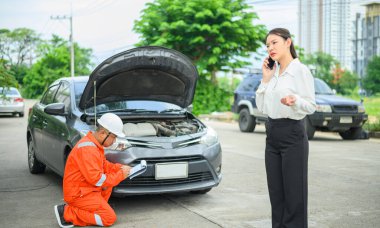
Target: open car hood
(143,73)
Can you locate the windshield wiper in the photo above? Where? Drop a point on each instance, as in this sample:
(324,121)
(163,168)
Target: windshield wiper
(172,110)
(132,110)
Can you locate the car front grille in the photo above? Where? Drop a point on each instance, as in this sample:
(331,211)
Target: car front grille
(142,181)
(169,159)
(345,108)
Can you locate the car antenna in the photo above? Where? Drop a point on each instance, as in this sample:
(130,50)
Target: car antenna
(95,101)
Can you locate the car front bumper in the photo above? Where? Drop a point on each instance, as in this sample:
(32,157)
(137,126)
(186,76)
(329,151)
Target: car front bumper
(337,121)
(204,169)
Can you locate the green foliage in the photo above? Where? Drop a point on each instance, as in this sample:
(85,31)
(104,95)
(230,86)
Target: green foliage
(17,49)
(54,64)
(327,68)
(209,98)
(300,52)
(371,81)
(6,77)
(347,83)
(17,46)
(227,83)
(323,64)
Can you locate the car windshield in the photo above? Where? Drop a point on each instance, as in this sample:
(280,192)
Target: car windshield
(9,91)
(321,87)
(135,106)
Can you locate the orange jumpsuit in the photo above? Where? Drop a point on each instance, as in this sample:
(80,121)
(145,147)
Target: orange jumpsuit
(87,184)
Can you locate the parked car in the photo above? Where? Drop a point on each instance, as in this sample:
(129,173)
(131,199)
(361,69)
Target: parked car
(333,113)
(11,101)
(150,89)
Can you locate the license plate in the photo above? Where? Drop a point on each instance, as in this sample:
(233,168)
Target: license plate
(171,170)
(345,119)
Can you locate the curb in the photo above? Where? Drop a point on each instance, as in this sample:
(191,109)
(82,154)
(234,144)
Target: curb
(374,134)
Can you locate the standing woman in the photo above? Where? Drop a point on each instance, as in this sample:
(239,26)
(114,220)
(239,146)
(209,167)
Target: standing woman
(286,95)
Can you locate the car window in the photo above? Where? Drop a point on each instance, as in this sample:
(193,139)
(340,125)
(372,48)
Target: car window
(9,91)
(157,106)
(63,95)
(78,89)
(48,97)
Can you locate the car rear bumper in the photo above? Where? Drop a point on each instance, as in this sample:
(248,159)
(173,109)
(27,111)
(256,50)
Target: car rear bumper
(337,121)
(12,108)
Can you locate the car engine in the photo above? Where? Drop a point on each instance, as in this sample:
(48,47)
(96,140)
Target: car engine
(166,128)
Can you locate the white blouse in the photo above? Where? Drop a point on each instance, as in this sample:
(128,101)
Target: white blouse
(295,80)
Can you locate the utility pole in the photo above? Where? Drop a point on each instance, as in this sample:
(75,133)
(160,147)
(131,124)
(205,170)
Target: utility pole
(71,38)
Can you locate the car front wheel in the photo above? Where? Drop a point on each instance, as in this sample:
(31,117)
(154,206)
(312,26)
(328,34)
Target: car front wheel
(247,123)
(35,166)
(352,133)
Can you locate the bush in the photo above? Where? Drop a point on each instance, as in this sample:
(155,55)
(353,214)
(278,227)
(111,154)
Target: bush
(209,98)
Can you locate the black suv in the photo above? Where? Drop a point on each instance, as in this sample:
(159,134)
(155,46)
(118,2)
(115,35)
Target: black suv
(334,113)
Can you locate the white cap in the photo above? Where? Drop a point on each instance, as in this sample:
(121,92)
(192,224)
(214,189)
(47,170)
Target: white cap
(112,123)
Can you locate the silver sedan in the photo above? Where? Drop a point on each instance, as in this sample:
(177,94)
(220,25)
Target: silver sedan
(11,101)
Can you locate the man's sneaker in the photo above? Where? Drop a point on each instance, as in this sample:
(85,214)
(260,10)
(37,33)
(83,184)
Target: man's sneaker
(59,209)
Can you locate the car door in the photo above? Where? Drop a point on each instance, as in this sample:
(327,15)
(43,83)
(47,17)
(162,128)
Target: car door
(38,123)
(56,130)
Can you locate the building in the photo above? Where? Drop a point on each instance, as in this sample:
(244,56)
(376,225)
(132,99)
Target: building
(366,37)
(324,25)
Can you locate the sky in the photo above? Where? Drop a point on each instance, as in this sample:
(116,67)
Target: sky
(106,25)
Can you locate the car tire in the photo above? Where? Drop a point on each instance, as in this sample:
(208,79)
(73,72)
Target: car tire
(352,133)
(310,129)
(204,191)
(21,114)
(35,166)
(247,122)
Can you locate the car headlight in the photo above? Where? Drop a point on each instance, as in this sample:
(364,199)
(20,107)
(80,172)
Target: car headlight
(361,109)
(323,108)
(210,138)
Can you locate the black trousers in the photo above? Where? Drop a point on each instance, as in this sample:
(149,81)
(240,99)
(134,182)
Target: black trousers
(286,156)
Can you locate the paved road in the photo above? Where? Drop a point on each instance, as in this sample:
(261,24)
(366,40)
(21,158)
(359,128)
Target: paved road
(344,186)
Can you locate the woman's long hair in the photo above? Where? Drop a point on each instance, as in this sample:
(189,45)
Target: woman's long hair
(284,33)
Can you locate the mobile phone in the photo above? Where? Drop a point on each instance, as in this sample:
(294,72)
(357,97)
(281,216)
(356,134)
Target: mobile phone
(271,63)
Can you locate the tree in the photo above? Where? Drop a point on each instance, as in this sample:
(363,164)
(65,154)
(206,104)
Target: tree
(17,46)
(344,81)
(323,64)
(17,50)
(371,81)
(300,52)
(6,77)
(54,64)
(215,34)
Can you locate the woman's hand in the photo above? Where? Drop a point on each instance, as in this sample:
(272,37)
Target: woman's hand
(267,72)
(289,100)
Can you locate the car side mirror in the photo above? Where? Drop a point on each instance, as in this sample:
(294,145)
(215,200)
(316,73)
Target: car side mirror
(334,91)
(55,109)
